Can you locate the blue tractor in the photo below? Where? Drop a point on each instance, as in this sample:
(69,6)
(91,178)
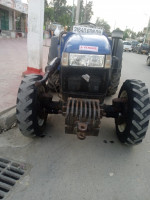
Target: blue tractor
(84,67)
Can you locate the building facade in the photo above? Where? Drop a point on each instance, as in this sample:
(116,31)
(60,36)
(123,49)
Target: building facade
(13,18)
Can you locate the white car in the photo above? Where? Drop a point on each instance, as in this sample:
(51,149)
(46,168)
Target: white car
(127,46)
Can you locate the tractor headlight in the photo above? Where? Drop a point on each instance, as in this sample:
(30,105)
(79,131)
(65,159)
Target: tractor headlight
(87,60)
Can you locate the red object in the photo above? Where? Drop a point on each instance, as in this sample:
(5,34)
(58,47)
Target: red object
(31,70)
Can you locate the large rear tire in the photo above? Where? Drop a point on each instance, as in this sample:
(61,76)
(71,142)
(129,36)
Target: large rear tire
(31,116)
(54,82)
(132,123)
(115,79)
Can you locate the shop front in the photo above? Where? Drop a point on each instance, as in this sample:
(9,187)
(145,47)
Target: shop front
(13,18)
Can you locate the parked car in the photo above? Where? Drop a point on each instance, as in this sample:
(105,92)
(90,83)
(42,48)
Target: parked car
(134,43)
(148,60)
(142,48)
(127,46)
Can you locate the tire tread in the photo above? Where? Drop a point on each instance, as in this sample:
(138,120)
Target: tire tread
(140,112)
(25,103)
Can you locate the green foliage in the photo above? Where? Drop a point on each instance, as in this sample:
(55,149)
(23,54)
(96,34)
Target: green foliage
(88,11)
(59,9)
(117,29)
(48,14)
(103,24)
(46,4)
(140,34)
(62,13)
(85,11)
(133,35)
(59,3)
(125,35)
(81,16)
(128,33)
(64,19)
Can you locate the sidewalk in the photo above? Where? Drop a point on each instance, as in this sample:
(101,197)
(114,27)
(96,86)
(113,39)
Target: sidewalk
(13,61)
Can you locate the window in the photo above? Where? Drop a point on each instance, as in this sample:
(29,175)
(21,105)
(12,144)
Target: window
(4,18)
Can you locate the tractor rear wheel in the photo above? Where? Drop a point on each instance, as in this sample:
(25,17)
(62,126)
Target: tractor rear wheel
(115,79)
(31,116)
(132,123)
(54,82)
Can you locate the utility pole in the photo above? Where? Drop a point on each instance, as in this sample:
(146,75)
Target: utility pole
(85,18)
(73,13)
(147,30)
(35,36)
(77,12)
(14,20)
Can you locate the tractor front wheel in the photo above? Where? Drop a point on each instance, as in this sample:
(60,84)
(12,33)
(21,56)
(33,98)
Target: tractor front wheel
(132,123)
(31,116)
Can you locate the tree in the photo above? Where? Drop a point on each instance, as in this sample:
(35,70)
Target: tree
(133,35)
(85,11)
(118,29)
(46,4)
(140,34)
(88,11)
(48,15)
(103,24)
(125,35)
(81,16)
(59,9)
(128,33)
(62,13)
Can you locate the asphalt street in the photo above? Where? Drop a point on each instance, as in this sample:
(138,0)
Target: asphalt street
(62,167)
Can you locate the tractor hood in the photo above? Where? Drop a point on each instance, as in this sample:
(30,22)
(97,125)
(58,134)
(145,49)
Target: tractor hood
(88,44)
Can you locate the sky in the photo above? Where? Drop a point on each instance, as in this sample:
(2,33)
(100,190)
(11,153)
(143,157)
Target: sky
(131,14)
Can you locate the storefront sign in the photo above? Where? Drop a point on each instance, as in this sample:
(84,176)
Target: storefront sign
(21,7)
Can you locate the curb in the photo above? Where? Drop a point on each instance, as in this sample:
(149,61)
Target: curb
(7,118)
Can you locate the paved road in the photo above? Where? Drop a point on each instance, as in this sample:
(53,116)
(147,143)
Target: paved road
(134,66)
(61,167)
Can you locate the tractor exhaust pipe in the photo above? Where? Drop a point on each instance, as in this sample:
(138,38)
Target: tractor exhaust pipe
(116,35)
